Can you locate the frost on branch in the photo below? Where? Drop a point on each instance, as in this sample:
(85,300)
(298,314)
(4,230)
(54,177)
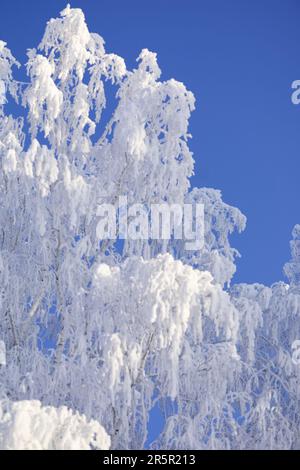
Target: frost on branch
(7,83)
(26,425)
(112,333)
(43,98)
(67,73)
(220,220)
(2,353)
(292,268)
(144,148)
(269,326)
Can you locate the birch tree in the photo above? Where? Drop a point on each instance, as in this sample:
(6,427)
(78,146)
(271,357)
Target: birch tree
(94,335)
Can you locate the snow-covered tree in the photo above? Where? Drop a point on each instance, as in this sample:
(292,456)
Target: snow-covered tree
(96,334)
(26,425)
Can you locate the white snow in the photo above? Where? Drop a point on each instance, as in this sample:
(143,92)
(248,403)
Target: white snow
(27,425)
(112,332)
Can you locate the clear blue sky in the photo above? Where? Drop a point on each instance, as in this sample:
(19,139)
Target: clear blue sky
(239,57)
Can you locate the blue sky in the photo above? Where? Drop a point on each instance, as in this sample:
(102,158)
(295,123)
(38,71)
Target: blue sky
(239,57)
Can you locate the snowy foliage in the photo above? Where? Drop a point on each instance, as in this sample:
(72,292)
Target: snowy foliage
(109,332)
(26,425)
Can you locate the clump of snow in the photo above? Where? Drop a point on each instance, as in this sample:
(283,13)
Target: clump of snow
(27,425)
(2,353)
(2,92)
